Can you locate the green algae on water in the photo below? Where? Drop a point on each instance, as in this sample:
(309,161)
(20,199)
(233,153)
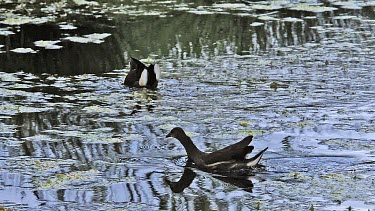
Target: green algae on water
(67,179)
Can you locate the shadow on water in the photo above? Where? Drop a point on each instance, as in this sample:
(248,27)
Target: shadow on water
(297,76)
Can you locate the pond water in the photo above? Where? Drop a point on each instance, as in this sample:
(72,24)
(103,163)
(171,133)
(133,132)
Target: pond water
(298,75)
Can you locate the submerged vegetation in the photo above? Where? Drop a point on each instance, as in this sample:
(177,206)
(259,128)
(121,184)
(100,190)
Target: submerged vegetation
(298,75)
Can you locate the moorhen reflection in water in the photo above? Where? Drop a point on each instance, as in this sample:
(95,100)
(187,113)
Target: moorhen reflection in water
(231,159)
(188,176)
(184,182)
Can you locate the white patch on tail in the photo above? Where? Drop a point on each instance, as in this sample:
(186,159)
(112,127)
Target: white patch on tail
(157,71)
(144,78)
(256,160)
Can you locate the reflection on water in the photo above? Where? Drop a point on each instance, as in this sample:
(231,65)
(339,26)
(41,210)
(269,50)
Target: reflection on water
(188,176)
(163,37)
(72,59)
(299,77)
(184,182)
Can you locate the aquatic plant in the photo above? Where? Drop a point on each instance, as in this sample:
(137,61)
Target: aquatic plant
(312,8)
(23,50)
(47,44)
(62,180)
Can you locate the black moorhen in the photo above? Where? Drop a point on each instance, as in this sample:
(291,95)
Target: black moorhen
(230,158)
(142,76)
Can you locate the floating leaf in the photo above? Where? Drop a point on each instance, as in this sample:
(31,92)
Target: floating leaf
(200,12)
(310,17)
(8,77)
(97,36)
(5,32)
(101,110)
(67,27)
(7,129)
(89,38)
(313,8)
(23,50)
(256,24)
(10,109)
(290,19)
(42,20)
(268,18)
(266,7)
(344,17)
(350,5)
(230,6)
(78,39)
(63,180)
(40,138)
(48,44)
(20,20)
(16,21)
(84,2)
(244,123)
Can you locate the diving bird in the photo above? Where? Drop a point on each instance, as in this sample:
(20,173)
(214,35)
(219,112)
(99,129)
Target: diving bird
(142,76)
(230,158)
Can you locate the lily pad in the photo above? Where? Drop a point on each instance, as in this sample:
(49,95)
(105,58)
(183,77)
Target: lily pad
(232,6)
(5,32)
(40,138)
(16,21)
(20,20)
(7,129)
(8,77)
(80,39)
(266,7)
(290,19)
(64,180)
(48,44)
(84,2)
(89,38)
(97,137)
(200,12)
(98,109)
(67,27)
(244,123)
(11,109)
(350,5)
(23,50)
(268,18)
(256,24)
(344,17)
(313,8)
(38,166)
(97,36)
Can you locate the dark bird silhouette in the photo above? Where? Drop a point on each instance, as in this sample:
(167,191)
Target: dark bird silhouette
(142,76)
(230,158)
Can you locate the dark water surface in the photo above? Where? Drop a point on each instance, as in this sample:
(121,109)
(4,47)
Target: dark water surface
(299,76)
